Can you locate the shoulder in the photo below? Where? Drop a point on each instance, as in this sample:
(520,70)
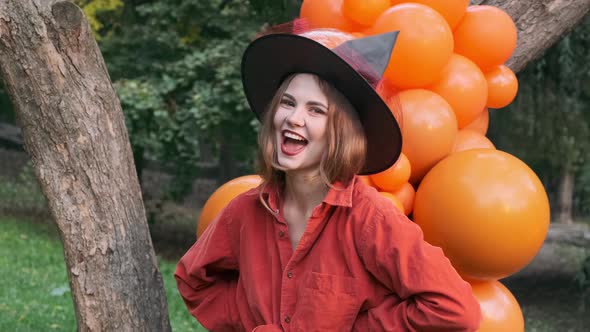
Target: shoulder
(236,208)
(367,201)
(375,216)
(244,202)
(245,199)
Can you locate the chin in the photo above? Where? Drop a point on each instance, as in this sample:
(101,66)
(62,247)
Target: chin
(288,165)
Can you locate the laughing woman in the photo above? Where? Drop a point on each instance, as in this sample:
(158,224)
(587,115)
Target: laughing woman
(313,248)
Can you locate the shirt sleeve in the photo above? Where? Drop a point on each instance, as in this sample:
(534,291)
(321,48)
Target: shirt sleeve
(433,296)
(207,277)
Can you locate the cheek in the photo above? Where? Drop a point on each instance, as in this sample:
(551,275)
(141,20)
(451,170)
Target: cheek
(320,131)
(279,117)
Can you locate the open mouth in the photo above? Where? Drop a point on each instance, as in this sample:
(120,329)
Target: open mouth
(292,143)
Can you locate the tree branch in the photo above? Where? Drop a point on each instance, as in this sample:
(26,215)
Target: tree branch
(540,24)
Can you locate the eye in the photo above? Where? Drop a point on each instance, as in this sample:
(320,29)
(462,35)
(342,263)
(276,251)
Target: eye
(317,110)
(287,102)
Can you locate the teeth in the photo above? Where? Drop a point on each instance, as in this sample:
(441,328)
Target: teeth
(293,136)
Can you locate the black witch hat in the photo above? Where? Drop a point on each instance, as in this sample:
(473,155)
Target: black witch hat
(355,68)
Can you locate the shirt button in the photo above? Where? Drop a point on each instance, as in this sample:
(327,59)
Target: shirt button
(287,319)
(281,233)
(290,275)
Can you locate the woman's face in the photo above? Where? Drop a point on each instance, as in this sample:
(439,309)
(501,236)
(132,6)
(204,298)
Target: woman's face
(300,122)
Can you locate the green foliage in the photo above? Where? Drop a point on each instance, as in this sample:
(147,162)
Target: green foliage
(36,295)
(583,280)
(6,112)
(548,125)
(279,10)
(22,194)
(583,276)
(176,68)
(97,13)
(582,196)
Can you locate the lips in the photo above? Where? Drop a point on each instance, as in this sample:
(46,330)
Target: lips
(292,143)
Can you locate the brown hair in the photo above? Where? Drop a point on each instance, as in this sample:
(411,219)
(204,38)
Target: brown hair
(347,143)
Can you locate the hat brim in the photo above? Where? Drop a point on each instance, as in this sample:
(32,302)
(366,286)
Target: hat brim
(270,59)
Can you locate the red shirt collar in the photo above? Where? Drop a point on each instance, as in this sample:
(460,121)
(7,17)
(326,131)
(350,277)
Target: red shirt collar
(339,195)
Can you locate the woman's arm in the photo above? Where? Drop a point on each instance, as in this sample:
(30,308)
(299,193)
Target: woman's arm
(207,277)
(434,297)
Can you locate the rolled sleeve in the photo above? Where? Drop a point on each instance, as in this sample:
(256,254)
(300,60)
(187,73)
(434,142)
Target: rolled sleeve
(207,278)
(429,293)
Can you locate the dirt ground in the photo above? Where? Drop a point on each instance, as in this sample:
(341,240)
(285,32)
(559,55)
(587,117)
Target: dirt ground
(548,292)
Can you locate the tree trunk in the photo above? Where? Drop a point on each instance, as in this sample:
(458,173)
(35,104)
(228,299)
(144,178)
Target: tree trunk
(75,134)
(540,24)
(565,195)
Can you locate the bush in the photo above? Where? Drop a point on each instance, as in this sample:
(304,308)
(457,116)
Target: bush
(22,195)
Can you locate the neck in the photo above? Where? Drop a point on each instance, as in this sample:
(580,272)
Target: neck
(305,191)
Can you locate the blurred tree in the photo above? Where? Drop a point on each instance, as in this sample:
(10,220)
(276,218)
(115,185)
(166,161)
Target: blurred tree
(93,8)
(548,125)
(6,113)
(185,55)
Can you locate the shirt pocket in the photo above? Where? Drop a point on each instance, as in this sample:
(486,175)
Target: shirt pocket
(325,302)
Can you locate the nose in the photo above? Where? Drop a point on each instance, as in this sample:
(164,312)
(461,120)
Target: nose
(297,117)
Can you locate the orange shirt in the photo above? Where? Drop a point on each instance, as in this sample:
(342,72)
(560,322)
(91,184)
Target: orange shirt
(360,265)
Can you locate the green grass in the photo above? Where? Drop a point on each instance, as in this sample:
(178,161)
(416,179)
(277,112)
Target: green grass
(35,296)
(34,292)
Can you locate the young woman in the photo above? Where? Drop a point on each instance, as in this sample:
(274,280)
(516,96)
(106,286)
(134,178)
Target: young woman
(314,248)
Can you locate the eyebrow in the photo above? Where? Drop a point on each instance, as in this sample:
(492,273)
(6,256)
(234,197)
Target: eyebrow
(313,103)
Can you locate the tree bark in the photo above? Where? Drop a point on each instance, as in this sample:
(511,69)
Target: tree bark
(565,195)
(540,24)
(74,132)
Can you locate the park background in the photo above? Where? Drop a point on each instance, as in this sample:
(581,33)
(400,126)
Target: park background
(175,67)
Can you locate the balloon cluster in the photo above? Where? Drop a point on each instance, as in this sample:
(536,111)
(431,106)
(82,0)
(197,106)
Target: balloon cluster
(485,208)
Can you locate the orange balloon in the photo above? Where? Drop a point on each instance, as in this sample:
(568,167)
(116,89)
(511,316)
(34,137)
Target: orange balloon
(327,14)
(480,124)
(406,195)
(386,89)
(330,38)
(486,209)
(464,86)
(394,200)
(393,177)
(429,129)
(486,35)
(364,12)
(367,180)
(451,10)
(423,47)
(222,196)
(468,139)
(499,309)
(502,86)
